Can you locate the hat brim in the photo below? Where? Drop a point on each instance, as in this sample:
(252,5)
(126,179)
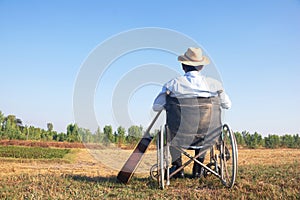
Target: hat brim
(183,59)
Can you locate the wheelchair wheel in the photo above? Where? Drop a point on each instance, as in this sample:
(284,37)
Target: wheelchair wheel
(154,173)
(159,171)
(228,157)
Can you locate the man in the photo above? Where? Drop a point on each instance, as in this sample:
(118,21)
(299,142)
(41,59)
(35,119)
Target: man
(191,85)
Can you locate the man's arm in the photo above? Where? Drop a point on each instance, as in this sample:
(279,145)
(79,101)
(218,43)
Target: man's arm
(159,102)
(225,101)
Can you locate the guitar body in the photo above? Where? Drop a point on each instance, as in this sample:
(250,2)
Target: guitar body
(134,160)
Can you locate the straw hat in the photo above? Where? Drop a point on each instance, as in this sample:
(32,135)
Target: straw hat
(193,57)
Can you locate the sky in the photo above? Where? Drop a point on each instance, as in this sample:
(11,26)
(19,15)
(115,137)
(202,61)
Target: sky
(255,46)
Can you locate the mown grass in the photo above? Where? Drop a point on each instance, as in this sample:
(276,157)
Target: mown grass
(254,182)
(32,152)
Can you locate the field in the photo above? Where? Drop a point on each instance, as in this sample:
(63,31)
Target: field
(263,174)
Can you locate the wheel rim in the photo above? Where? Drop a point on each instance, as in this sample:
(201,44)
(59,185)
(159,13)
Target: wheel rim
(228,157)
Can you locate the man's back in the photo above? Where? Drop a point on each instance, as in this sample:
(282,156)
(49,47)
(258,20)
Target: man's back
(191,84)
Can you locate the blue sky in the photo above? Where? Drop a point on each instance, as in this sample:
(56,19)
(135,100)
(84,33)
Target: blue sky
(254,44)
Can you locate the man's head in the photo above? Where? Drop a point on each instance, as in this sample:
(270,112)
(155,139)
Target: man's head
(193,60)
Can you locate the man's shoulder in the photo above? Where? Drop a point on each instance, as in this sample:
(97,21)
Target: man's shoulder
(175,80)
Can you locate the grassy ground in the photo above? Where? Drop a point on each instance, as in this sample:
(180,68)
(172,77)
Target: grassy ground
(32,152)
(263,174)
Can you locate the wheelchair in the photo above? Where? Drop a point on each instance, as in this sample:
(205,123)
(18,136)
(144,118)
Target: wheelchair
(220,142)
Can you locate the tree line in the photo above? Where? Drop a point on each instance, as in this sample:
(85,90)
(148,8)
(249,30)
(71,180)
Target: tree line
(272,141)
(12,127)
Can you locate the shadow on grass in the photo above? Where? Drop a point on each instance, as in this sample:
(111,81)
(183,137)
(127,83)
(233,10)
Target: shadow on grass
(107,179)
(112,180)
(149,183)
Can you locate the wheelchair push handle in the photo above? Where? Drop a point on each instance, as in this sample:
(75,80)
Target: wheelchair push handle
(147,132)
(220,92)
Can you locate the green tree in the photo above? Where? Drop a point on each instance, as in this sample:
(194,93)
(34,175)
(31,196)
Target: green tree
(61,137)
(288,141)
(2,117)
(10,122)
(34,133)
(11,127)
(37,133)
(135,133)
(108,134)
(239,138)
(19,123)
(25,132)
(72,133)
(85,135)
(253,140)
(258,139)
(116,138)
(121,135)
(297,140)
(272,141)
(49,127)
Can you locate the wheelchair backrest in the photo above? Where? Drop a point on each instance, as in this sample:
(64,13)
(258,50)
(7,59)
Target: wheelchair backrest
(190,120)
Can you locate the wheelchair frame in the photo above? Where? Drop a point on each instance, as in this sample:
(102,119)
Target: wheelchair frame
(223,159)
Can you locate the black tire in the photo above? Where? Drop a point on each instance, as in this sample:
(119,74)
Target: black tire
(154,173)
(228,157)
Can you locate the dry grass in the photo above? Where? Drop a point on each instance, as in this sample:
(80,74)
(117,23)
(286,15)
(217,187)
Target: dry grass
(79,161)
(263,173)
(107,162)
(268,156)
